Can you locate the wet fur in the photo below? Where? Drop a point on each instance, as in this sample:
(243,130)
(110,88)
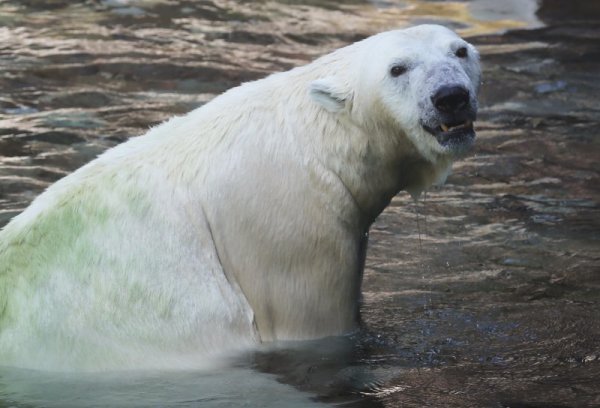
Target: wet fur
(239,223)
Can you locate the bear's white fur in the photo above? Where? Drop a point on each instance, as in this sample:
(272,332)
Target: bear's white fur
(242,222)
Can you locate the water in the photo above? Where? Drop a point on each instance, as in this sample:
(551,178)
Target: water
(491,299)
(214,388)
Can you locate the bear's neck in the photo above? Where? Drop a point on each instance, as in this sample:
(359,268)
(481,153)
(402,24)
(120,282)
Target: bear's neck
(372,175)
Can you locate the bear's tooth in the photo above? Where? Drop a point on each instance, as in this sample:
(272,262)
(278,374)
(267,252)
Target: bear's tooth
(444,127)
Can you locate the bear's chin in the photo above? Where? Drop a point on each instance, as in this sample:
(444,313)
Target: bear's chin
(456,141)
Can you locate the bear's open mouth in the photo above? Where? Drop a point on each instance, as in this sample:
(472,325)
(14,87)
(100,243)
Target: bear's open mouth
(461,133)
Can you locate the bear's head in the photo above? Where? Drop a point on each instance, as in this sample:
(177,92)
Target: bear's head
(417,85)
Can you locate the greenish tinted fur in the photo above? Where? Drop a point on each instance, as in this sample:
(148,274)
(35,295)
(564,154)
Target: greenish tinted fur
(26,253)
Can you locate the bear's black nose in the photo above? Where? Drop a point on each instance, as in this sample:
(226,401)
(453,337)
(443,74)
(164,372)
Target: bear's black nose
(451,99)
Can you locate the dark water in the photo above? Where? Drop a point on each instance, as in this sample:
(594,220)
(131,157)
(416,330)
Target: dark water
(486,293)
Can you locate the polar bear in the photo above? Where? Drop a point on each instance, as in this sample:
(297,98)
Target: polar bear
(240,223)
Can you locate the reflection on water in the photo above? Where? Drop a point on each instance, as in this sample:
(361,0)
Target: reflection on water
(485,293)
(219,388)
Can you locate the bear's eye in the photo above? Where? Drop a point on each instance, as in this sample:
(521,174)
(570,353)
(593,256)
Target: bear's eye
(398,70)
(462,52)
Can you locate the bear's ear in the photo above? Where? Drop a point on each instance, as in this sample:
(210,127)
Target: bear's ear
(330,94)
